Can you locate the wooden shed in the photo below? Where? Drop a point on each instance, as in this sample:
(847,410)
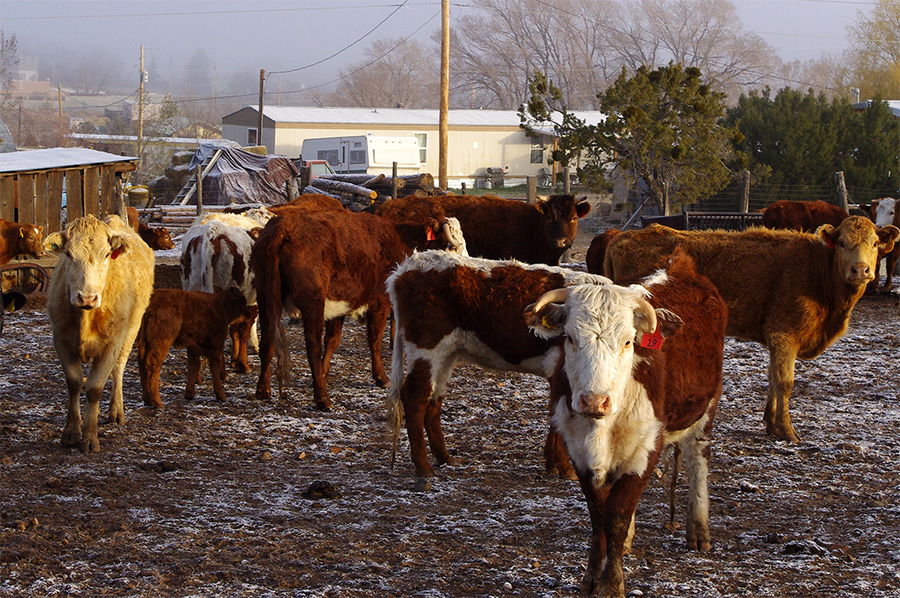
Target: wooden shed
(36,184)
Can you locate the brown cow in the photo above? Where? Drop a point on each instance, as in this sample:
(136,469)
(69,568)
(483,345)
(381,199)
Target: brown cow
(804,216)
(884,212)
(155,237)
(100,287)
(449,307)
(497,228)
(194,320)
(327,265)
(641,368)
(19,239)
(790,291)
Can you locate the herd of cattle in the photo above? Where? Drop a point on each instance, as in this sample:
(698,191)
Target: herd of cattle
(632,349)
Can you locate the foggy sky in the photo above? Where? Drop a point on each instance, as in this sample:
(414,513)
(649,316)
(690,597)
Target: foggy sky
(244,37)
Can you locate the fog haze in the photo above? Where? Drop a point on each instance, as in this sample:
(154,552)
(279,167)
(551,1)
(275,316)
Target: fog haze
(240,38)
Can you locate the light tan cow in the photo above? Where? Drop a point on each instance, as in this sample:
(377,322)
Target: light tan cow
(99,291)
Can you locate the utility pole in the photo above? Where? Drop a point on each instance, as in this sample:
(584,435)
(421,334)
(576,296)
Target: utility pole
(262,83)
(140,135)
(59,96)
(445,94)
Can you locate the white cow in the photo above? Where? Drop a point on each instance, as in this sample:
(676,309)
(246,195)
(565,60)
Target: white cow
(886,213)
(98,293)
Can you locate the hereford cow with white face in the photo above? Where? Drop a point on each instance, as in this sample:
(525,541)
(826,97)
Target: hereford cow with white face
(642,368)
(885,212)
(100,288)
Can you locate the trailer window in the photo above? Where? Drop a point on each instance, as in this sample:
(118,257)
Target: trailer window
(330,155)
(252,137)
(422,138)
(357,156)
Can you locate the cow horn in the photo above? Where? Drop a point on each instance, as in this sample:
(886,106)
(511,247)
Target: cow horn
(554,296)
(649,314)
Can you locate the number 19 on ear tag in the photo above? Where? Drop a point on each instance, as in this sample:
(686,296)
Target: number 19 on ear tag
(652,341)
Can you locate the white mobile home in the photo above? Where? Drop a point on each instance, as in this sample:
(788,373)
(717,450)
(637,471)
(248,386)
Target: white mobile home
(369,154)
(477,139)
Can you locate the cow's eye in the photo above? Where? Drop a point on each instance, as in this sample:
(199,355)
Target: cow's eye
(68,255)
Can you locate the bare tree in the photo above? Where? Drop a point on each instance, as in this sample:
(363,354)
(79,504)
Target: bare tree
(392,73)
(874,55)
(91,73)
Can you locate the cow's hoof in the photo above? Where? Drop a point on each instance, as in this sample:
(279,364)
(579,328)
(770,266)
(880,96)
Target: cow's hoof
(783,433)
(382,382)
(71,438)
(263,395)
(239,368)
(325,405)
(423,484)
(90,445)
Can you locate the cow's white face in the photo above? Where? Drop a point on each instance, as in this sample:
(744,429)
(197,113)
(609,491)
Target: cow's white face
(455,237)
(885,211)
(856,244)
(88,247)
(601,324)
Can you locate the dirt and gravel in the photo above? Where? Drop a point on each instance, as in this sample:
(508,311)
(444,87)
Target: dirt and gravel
(251,498)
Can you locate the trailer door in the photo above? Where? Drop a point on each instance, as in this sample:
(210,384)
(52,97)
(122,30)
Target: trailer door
(344,157)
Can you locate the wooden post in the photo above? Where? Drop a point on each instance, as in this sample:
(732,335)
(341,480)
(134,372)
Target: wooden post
(443,126)
(531,189)
(463,187)
(567,183)
(305,176)
(59,95)
(140,135)
(394,181)
(121,209)
(745,191)
(262,83)
(843,200)
(199,189)
(665,198)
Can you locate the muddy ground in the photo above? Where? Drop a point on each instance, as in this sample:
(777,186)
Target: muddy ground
(214,499)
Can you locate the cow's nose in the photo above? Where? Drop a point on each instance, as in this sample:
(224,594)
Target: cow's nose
(87,301)
(861,270)
(593,405)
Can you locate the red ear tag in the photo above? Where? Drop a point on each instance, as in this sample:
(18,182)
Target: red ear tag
(829,244)
(652,341)
(429,236)
(115,254)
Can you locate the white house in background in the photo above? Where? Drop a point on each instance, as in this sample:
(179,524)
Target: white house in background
(476,139)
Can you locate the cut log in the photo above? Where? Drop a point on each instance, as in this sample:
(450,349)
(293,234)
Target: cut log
(342,187)
(423,181)
(316,190)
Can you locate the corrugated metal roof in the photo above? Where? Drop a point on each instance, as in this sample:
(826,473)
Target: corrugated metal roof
(893,106)
(402,116)
(57,157)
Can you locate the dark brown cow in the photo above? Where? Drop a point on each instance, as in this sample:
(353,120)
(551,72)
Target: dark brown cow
(497,228)
(156,237)
(327,265)
(642,368)
(790,291)
(804,216)
(194,320)
(311,202)
(448,307)
(20,239)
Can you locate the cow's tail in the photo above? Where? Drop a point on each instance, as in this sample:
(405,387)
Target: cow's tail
(394,409)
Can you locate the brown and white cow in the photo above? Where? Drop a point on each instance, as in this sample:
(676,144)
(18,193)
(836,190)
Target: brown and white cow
(805,216)
(156,237)
(448,308)
(20,239)
(327,265)
(100,287)
(790,291)
(641,368)
(215,255)
(885,211)
(497,228)
(193,320)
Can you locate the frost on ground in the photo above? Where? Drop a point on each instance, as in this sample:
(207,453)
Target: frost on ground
(211,499)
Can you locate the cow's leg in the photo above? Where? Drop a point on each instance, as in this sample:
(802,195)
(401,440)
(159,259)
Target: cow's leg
(239,333)
(696,449)
(435,432)
(151,356)
(269,323)
(890,263)
(782,355)
(596,498)
(415,394)
(116,405)
(217,369)
(376,319)
(333,329)
(101,368)
(193,372)
(71,434)
(313,328)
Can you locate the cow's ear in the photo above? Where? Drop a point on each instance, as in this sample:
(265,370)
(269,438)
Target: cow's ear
(118,245)
(887,236)
(827,235)
(254,232)
(541,206)
(55,242)
(583,208)
(548,322)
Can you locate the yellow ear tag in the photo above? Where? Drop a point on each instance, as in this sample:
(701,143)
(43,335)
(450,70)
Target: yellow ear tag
(546,323)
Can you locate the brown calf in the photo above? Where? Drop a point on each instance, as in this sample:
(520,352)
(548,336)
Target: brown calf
(155,237)
(19,239)
(194,320)
(805,216)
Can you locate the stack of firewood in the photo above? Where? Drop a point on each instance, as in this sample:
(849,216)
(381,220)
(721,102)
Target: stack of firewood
(360,192)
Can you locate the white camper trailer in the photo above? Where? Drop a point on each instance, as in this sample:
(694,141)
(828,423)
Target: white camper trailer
(365,154)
